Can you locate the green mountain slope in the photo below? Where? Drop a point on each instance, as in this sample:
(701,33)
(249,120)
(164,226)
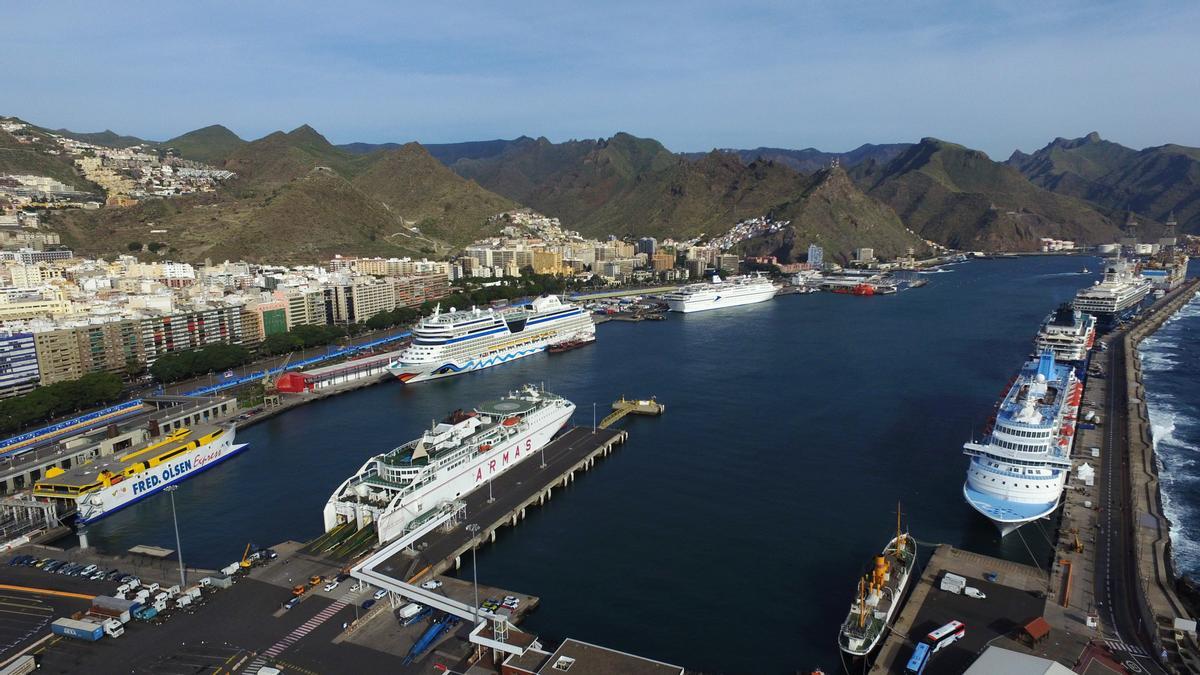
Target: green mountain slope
(811,159)
(298,198)
(960,197)
(33,159)
(635,186)
(108,138)
(832,212)
(1153,182)
(212,144)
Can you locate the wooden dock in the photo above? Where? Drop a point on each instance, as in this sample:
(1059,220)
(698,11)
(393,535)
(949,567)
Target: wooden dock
(622,407)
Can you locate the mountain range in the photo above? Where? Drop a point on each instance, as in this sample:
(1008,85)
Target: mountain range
(299,197)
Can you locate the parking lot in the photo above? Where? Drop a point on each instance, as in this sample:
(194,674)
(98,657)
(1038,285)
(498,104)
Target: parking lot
(1002,613)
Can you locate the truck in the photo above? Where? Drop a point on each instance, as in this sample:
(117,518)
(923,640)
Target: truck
(953,583)
(231,569)
(119,605)
(145,613)
(183,600)
(112,628)
(80,630)
(99,611)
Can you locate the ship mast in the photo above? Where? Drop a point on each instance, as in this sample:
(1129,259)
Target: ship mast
(862,602)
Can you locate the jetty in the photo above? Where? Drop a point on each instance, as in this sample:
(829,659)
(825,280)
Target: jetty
(622,407)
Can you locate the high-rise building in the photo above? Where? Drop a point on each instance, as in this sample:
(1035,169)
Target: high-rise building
(647,245)
(18,364)
(816,256)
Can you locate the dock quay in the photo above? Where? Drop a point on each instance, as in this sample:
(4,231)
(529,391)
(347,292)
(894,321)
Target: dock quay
(505,503)
(1108,595)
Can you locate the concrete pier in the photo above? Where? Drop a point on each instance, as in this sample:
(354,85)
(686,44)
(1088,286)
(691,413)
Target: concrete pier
(513,493)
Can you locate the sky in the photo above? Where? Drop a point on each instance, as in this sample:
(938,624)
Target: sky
(695,75)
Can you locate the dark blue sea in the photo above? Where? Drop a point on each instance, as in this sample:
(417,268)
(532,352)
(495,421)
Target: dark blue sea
(1170,367)
(727,535)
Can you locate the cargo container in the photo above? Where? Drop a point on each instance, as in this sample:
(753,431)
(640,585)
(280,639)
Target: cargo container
(110,613)
(82,630)
(953,583)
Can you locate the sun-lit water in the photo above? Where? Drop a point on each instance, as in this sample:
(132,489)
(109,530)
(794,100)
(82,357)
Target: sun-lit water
(728,534)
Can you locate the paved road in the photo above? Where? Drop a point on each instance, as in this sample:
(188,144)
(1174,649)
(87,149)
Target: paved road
(1116,567)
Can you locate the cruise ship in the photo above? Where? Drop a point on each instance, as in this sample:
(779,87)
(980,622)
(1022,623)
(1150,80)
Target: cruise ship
(1017,472)
(880,595)
(449,343)
(401,488)
(1067,332)
(110,483)
(1115,298)
(743,290)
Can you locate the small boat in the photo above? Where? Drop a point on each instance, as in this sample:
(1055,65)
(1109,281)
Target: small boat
(1085,271)
(568,345)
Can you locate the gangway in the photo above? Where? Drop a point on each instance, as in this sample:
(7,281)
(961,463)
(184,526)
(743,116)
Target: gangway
(622,407)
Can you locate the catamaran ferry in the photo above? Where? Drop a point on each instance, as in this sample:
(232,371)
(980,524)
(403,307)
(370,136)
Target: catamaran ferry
(1115,298)
(1067,332)
(1017,472)
(108,484)
(401,488)
(743,290)
(448,343)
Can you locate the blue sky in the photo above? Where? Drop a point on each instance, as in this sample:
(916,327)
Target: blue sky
(695,75)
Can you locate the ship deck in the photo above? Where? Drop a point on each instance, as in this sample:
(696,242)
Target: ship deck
(87,474)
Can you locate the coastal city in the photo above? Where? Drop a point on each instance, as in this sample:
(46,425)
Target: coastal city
(418,392)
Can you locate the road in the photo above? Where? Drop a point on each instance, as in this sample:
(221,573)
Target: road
(1116,567)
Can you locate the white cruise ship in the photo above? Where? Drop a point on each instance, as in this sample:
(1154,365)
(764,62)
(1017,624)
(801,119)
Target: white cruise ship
(110,483)
(743,290)
(448,343)
(401,488)
(1017,472)
(1115,298)
(1067,332)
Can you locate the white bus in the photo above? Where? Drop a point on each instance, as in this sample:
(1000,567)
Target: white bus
(946,635)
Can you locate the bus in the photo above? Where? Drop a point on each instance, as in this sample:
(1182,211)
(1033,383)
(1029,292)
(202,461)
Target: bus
(946,635)
(920,659)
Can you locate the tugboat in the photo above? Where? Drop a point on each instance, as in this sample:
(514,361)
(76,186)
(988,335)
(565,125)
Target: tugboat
(880,594)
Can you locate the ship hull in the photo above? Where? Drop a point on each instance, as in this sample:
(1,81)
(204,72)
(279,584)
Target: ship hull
(103,502)
(412,373)
(720,301)
(1007,526)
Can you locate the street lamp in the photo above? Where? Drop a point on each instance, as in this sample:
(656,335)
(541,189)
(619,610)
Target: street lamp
(474,530)
(491,499)
(178,547)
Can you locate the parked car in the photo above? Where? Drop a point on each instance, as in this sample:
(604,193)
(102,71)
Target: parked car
(368,604)
(431,584)
(331,585)
(378,595)
(291,603)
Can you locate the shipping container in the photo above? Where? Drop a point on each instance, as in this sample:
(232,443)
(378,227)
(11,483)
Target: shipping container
(82,630)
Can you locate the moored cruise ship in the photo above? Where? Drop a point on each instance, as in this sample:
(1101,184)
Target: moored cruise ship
(1017,472)
(1067,332)
(448,343)
(1115,298)
(401,488)
(731,292)
(109,483)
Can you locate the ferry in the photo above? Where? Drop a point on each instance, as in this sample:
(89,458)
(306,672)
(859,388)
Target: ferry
(731,292)
(449,343)
(1117,297)
(108,484)
(403,487)
(1018,471)
(880,594)
(1067,332)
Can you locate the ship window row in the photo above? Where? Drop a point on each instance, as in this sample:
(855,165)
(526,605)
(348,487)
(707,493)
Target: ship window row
(1023,433)
(1029,474)
(1016,484)
(1019,447)
(985,458)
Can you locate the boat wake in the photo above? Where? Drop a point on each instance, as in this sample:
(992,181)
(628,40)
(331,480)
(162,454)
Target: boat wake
(1169,359)
(939,270)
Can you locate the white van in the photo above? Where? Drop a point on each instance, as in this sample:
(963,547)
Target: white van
(408,611)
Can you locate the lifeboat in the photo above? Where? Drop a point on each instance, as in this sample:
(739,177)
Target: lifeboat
(485,447)
(511,421)
(1068,430)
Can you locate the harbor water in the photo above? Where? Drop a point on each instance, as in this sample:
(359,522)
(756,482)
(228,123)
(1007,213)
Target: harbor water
(727,535)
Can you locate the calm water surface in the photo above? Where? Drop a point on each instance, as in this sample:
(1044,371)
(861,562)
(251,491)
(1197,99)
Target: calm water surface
(727,535)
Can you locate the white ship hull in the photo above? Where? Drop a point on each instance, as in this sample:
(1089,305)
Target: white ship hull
(419,372)
(719,301)
(102,502)
(452,483)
